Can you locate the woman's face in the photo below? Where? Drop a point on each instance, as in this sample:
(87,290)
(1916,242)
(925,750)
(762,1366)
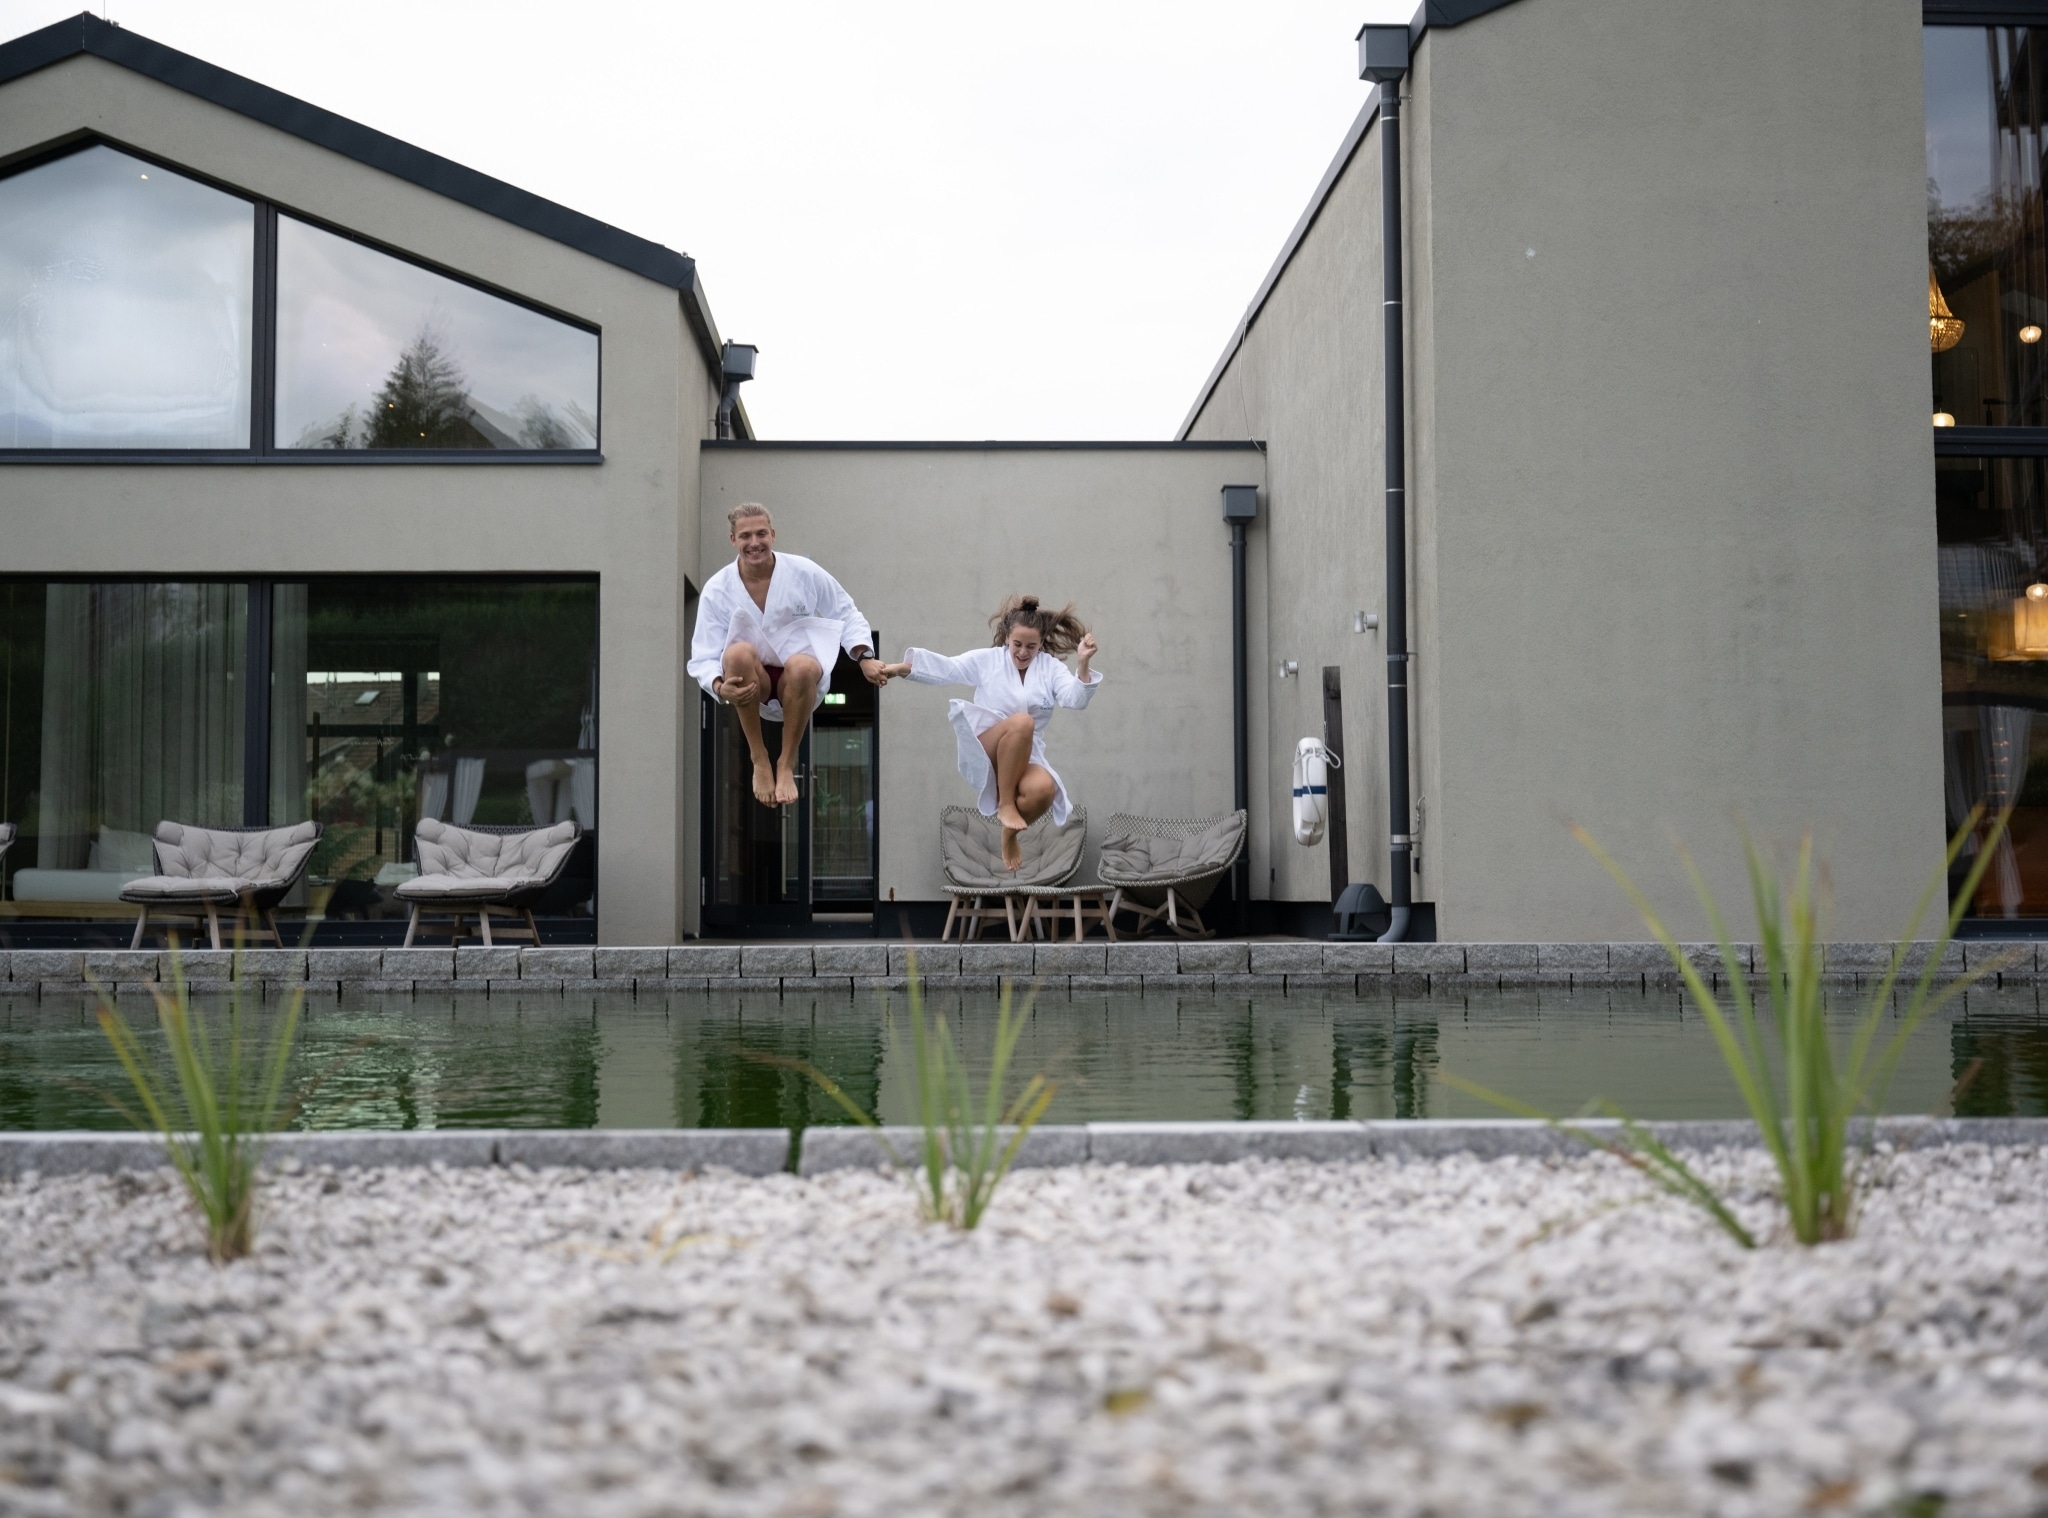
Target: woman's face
(1024,644)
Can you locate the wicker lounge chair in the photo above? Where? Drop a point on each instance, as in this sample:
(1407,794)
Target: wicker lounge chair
(476,870)
(971,855)
(1166,868)
(199,871)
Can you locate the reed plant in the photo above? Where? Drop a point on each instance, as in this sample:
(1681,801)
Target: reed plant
(1806,1097)
(223,1099)
(967,1141)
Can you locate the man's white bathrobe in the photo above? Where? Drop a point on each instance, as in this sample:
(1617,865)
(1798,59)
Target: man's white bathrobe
(1000,693)
(808,612)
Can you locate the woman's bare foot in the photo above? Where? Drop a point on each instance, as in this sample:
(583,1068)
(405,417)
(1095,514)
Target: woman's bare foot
(1011,819)
(764,781)
(1013,856)
(785,788)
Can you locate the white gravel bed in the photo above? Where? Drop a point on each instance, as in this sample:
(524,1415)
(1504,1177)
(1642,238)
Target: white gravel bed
(1443,1338)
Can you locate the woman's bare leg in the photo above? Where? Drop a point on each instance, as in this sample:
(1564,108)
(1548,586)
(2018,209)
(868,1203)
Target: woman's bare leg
(1035,793)
(1008,746)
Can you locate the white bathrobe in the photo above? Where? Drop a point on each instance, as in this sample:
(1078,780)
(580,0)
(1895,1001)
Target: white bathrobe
(807,612)
(999,693)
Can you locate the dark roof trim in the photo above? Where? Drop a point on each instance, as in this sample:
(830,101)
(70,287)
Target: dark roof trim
(989,446)
(1441,13)
(86,33)
(1982,12)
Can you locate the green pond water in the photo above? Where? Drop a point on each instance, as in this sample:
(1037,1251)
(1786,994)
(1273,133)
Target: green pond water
(693,1060)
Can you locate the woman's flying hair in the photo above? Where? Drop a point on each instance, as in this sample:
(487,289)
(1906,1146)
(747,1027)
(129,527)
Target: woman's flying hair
(1060,632)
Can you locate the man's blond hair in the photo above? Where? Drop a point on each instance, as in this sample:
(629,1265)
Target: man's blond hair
(745,509)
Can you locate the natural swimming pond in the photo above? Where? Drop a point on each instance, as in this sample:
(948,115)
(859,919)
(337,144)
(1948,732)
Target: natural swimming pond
(555,1061)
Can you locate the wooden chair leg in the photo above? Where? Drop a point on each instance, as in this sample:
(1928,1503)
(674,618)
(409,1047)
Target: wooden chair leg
(532,927)
(141,917)
(483,919)
(269,918)
(412,926)
(213,925)
(1010,917)
(952,912)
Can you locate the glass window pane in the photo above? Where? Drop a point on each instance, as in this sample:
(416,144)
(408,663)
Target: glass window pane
(121,707)
(374,352)
(472,701)
(125,297)
(1987,256)
(1992,520)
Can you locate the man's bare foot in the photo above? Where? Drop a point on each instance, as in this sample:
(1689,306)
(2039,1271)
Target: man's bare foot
(1013,856)
(764,782)
(1011,819)
(785,788)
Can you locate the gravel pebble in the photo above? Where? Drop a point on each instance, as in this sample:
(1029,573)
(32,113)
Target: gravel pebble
(1447,1337)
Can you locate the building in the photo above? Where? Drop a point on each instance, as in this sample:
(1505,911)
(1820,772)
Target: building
(335,477)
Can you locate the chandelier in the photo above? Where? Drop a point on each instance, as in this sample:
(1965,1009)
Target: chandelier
(1944,327)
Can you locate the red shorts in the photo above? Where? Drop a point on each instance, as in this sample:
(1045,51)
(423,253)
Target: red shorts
(774,673)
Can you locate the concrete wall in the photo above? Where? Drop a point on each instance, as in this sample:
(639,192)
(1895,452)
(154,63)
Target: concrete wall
(1674,543)
(630,520)
(930,540)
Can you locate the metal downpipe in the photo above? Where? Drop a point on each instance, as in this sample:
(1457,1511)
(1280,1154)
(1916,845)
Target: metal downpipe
(1401,888)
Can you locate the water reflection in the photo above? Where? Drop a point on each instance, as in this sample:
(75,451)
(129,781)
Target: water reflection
(697,1061)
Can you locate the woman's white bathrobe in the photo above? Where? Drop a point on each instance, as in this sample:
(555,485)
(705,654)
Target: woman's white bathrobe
(808,612)
(999,693)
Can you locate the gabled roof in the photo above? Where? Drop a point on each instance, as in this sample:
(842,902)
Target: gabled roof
(86,33)
(1434,13)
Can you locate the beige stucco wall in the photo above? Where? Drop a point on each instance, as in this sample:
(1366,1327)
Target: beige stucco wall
(630,520)
(1673,537)
(930,540)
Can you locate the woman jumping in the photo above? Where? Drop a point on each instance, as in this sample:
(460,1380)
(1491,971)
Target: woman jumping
(1017,682)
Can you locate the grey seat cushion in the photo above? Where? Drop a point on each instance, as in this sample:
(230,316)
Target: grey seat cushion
(462,864)
(971,851)
(222,890)
(262,860)
(466,887)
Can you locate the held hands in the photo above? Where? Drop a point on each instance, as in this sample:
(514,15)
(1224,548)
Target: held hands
(1086,649)
(890,672)
(874,671)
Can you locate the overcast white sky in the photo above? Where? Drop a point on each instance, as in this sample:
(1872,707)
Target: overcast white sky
(937,219)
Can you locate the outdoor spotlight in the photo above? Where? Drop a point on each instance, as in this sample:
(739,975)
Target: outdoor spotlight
(2030,333)
(1382,53)
(2037,592)
(1943,419)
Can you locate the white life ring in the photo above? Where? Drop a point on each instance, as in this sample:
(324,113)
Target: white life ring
(1313,762)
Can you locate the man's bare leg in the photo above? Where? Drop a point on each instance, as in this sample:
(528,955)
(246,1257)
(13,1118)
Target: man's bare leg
(743,665)
(1008,746)
(800,681)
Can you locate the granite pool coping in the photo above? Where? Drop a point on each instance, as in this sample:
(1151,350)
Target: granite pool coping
(1284,966)
(815,1151)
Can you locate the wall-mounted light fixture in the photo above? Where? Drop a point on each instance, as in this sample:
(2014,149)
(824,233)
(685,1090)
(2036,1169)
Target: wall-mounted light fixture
(1289,668)
(1365,621)
(2030,333)
(1944,327)
(1943,419)
(736,365)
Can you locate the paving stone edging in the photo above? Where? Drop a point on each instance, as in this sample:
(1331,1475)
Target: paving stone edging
(1223,965)
(767,1151)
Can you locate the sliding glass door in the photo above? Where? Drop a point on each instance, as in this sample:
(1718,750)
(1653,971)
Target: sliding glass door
(363,703)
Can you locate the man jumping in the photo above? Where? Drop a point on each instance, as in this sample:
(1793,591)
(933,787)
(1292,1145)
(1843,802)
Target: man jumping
(769,628)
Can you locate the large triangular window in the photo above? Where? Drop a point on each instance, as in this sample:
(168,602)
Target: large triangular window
(138,307)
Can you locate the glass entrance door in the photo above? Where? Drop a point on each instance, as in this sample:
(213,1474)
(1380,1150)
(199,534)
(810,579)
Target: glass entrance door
(774,869)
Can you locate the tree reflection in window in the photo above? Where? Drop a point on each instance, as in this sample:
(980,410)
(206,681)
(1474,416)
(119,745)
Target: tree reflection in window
(377,353)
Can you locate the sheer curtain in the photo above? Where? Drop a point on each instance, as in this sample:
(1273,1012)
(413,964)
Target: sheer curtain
(143,698)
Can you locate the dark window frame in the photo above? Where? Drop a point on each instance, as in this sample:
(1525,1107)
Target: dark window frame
(262,447)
